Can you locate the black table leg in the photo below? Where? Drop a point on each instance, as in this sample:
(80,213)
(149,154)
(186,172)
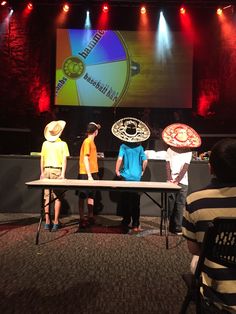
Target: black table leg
(42,213)
(166,219)
(162,214)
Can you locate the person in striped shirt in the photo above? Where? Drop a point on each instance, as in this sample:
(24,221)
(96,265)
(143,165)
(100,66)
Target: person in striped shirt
(216,200)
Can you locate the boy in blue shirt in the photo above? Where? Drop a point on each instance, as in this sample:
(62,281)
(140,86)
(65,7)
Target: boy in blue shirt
(130,166)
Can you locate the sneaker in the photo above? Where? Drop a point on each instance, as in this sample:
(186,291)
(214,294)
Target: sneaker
(47,227)
(91,221)
(55,227)
(83,224)
(125,222)
(178,232)
(136,228)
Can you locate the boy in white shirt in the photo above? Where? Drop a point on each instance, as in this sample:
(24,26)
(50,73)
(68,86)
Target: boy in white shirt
(181,139)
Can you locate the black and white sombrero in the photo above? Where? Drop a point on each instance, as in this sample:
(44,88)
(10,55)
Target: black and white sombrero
(130,130)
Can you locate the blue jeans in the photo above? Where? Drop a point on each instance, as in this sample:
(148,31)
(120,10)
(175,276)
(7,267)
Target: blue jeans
(176,202)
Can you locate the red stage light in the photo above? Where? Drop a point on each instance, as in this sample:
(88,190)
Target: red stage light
(30,6)
(3,3)
(143,10)
(105,8)
(182,10)
(219,11)
(66,7)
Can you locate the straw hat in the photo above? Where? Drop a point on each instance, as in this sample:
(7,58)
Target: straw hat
(181,135)
(130,130)
(53,130)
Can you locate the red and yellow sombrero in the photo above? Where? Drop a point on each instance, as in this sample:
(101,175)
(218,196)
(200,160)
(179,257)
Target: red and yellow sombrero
(181,135)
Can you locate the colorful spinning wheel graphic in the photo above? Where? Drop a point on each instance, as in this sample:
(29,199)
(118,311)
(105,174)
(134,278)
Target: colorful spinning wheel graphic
(93,68)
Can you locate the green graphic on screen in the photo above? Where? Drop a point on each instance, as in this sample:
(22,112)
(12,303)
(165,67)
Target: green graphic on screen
(93,69)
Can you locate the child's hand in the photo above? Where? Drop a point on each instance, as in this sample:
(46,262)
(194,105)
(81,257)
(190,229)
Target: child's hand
(176,182)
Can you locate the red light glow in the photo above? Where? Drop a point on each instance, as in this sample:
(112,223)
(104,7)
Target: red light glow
(182,10)
(3,3)
(144,23)
(66,7)
(105,8)
(219,11)
(188,27)
(208,96)
(30,6)
(143,10)
(27,10)
(44,100)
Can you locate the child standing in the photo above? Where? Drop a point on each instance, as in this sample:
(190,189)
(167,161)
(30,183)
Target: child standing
(53,164)
(181,139)
(88,170)
(130,166)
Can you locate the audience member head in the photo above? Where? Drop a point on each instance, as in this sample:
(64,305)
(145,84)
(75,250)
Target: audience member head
(223,160)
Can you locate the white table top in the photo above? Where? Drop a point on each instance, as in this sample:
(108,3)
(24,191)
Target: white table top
(73,184)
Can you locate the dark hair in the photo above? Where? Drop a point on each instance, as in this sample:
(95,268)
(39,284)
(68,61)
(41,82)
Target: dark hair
(223,160)
(92,127)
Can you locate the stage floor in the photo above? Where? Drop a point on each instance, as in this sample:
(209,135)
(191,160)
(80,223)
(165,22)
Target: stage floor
(99,271)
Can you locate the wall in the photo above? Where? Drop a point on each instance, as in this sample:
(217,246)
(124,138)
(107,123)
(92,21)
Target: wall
(27,66)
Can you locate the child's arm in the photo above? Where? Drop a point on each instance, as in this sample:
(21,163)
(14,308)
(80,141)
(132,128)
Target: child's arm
(118,165)
(87,167)
(63,170)
(182,173)
(41,167)
(144,166)
(168,171)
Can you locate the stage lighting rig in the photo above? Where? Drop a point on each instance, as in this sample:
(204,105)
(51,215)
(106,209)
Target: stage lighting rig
(107,5)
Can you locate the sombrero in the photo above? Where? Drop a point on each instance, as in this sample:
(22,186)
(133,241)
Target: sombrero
(181,135)
(53,130)
(130,130)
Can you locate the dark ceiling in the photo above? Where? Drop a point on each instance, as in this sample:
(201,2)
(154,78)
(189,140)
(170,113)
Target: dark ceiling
(198,3)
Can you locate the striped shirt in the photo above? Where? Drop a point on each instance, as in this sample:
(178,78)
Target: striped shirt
(203,206)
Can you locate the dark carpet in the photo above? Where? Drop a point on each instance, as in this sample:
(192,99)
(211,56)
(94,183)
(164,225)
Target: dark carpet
(100,270)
